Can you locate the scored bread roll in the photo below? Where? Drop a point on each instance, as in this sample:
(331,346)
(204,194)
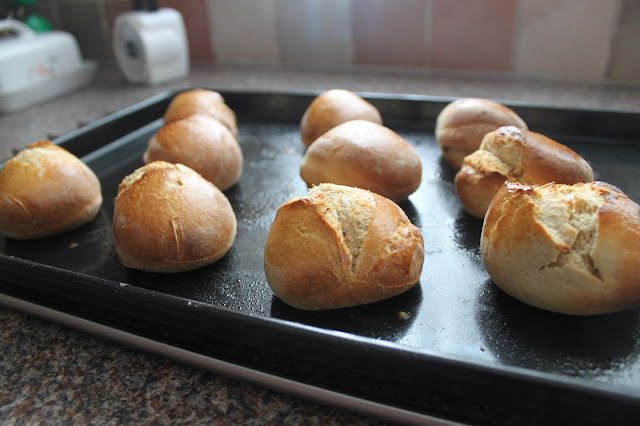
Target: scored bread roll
(571,249)
(365,155)
(340,246)
(332,108)
(462,124)
(168,218)
(202,143)
(46,190)
(514,154)
(201,101)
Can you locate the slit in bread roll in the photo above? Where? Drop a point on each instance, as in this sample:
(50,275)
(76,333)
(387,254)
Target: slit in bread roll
(46,190)
(462,124)
(168,218)
(201,101)
(202,143)
(340,246)
(572,249)
(332,108)
(514,154)
(366,155)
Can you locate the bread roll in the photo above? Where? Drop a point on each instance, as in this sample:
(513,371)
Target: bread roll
(335,107)
(462,124)
(168,218)
(366,155)
(339,247)
(201,101)
(513,154)
(202,143)
(572,249)
(46,190)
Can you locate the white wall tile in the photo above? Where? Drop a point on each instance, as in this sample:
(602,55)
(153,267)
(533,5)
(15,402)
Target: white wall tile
(243,31)
(312,32)
(625,54)
(564,38)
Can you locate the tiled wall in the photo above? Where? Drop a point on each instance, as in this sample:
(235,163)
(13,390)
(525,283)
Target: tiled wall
(582,39)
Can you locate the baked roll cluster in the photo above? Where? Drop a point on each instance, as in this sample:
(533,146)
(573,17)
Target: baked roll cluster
(350,146)
(551,237)
(200,131)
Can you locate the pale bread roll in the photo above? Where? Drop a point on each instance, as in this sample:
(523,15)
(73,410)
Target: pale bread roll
(168,218)
(572,249)
(46,190)
(201,101)
(202,143)
(462,124)
(332,108)
(340,246)
(365,155)
(513,154)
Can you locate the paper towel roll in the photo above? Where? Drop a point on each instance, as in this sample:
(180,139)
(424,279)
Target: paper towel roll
(151,47)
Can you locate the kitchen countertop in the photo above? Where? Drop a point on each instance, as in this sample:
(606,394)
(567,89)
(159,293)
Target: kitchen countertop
(53,374)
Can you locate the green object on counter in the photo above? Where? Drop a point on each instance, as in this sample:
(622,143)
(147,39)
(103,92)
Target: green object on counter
(25,2)
(38,23)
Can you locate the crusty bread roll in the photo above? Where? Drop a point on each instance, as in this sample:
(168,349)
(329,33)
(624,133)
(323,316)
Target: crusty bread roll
(462,124)
(335,107)
(513,154)
(46,190)
(340,246)
(168,218)
(572,249)
(202,143)
(201,101)
(365,155)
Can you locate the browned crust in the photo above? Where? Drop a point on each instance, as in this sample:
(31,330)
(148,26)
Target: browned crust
(462,124)
(332,108)
(167,218)
(202,143)
(544,160)
(518,253)
(201,101)
(308,265)
(366,155)
(46,190)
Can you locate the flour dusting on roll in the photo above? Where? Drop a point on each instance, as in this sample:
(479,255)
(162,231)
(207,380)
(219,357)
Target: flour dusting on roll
(340,246)
(571,249)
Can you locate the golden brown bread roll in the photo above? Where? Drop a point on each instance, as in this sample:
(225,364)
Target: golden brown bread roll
(513,154)
(168,218)
(335,107)
(46,190)
(572,249)
(201,101)
(365,155)
(341,246)
(202,143)
(462,124)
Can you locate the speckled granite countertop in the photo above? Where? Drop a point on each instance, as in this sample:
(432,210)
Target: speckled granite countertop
(53,374)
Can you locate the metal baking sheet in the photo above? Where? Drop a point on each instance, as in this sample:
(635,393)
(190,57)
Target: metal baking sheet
(465,352)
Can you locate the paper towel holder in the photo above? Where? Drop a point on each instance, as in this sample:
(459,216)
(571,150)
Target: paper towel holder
(151,46)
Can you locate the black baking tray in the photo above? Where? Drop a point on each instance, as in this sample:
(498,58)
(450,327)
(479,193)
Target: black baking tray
(454,347)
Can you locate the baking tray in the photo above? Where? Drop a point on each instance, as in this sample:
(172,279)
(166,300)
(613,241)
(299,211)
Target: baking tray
(465,351)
